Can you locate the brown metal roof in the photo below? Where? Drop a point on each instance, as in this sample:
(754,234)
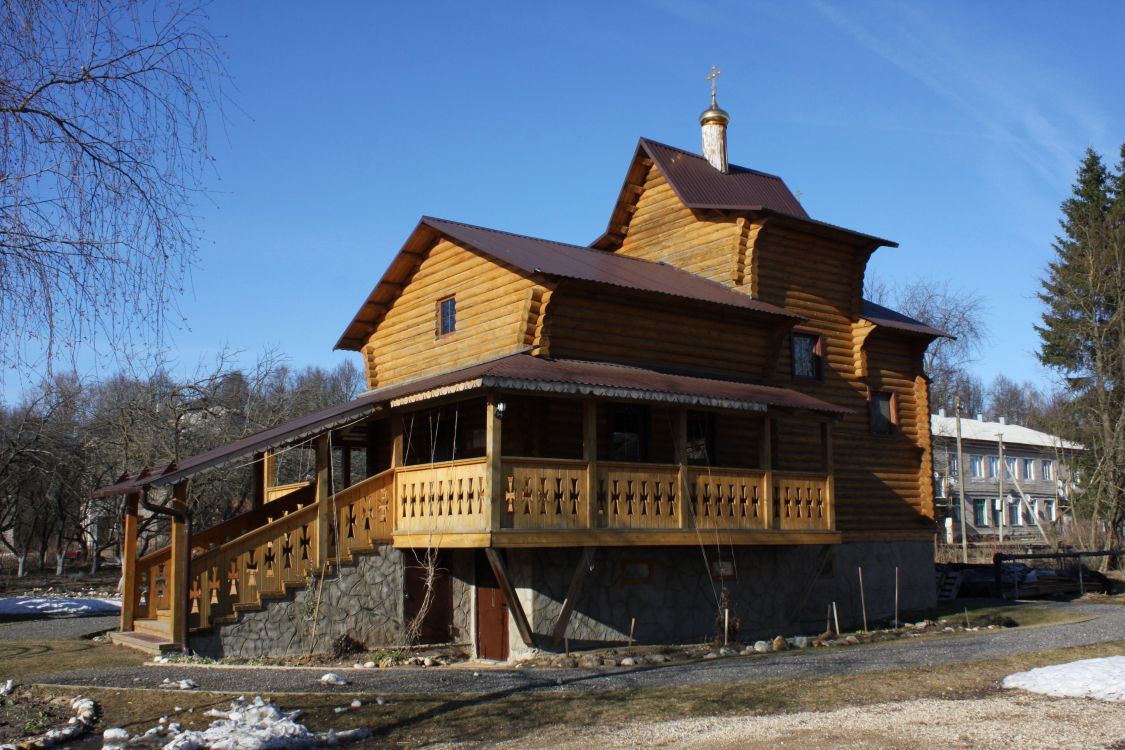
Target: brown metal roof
(888,318)
(558,259)
(699,185)
(517,372)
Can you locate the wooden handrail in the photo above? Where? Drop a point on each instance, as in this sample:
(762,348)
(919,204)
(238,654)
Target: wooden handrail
(268,530)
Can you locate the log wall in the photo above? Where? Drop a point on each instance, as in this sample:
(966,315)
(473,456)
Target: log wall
(497,313)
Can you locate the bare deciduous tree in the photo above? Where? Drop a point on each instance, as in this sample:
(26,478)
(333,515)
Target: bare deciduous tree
(103,111)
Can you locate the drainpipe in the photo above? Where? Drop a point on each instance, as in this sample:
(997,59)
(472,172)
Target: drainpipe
(185,518)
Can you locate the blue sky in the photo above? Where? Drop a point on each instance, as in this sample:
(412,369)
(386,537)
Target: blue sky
(953,128)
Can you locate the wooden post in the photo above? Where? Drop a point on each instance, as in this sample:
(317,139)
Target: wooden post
(129,563)
(830,476)
(396,442)
(590,456)
(494,474)
(765,458)
(681,438)
(181,559)
(585,564)
(265,477)
(323,510)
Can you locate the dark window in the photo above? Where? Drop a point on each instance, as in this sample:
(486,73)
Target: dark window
(447,316)
(701,438)
(807,356)
(882,412)
(627,433)
(997,511)
(979,511)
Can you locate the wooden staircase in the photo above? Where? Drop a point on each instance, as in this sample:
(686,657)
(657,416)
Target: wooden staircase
(244,563)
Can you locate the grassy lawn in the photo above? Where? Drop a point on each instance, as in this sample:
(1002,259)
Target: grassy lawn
(1024,614)
(407,721)
(19,658)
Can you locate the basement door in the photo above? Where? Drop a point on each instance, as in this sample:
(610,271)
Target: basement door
(437,623)
(492,614)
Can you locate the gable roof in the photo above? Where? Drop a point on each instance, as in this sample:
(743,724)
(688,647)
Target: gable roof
(699,186)
(991,432)
(557,259)
(888,318)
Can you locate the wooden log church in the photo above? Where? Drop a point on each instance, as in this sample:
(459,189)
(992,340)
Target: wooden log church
(694,423)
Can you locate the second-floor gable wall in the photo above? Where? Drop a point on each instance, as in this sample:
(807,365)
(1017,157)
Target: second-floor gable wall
(498,312)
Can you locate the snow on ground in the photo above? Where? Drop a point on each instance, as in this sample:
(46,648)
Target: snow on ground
(1103,679)
(49,606)
(249,725)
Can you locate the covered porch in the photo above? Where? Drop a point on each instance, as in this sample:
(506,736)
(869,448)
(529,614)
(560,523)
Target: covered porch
(524,454)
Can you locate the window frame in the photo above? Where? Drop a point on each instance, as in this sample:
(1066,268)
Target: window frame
(641,413)
(872,394)
(439,328)
(1047,470)
(818,356)
(1028,470)
(992,468)
(976,466)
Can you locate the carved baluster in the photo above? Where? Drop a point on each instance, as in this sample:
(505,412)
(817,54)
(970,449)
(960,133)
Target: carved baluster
(232,576)
(460,496)
(509,494)
(541,496)
(195,594)
(213,585)
(449,497)
(644,497)
(574,496)
(559,495)
(615,497)
(600,500)
(657,496)
(268,559)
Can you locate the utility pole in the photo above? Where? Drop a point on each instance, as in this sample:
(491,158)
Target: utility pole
(961,484)
(1000,499)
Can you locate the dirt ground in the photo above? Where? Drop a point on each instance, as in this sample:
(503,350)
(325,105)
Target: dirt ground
(1015,720)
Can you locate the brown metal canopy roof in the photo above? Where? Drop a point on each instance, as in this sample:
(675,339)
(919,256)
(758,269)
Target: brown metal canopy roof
(558,259)
(888,318)
(515,372)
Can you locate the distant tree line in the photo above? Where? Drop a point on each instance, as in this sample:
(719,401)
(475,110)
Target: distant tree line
(66,437)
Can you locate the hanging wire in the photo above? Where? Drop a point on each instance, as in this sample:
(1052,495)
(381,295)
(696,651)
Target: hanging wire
(685,498)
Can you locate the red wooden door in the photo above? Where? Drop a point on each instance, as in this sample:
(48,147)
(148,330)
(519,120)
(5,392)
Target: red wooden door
(492,614)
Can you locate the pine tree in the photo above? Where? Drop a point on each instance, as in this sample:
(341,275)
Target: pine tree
(1083,333)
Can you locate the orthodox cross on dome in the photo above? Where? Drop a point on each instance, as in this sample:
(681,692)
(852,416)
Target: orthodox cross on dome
(714,79)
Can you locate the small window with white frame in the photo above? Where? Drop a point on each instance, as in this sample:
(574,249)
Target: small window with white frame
(993,466)
(976,466)
(446,316)
(1029,468)
(1047,470)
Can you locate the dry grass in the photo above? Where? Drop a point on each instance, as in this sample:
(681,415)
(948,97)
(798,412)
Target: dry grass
(409,721)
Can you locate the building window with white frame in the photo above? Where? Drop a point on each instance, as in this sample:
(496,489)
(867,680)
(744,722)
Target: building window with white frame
(976,466)
(1047,470)
(1029,468)
(1010,465)
(993,467)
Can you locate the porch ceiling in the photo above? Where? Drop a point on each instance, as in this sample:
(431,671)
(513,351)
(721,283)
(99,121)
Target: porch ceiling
(516,372)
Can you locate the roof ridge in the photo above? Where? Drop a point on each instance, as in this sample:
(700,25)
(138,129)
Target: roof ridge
(697,156)
(505,232)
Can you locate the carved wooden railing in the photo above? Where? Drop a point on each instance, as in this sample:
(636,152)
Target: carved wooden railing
(281,490)
(295,496)
(365,514)
(800,501)
(445,497)
(729,498)
(638,496)
(152,583)
(259,563)
(544,493)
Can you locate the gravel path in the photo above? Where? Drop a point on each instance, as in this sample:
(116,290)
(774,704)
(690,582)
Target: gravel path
(56,628)
(1007,721)
(1107,623)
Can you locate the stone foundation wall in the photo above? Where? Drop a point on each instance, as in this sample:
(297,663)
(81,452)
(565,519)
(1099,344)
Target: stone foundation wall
(771,590)
(363,599)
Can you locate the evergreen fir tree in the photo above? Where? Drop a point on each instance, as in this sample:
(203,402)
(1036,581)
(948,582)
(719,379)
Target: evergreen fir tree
(1083,333)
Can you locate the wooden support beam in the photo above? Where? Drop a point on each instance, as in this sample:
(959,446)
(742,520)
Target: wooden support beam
(514,604)
(585,565)
(396,441)
(681,437)
(829,469)
(129,562)
(324,509)
(590,455)
(494,489)
(346,465)
(765,459)
(181,559)
(265,477)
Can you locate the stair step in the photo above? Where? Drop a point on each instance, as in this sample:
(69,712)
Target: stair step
(148,643)
(164,614)
(162,628)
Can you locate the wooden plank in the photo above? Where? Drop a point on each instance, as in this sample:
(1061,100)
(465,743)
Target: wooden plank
(494,483)
(129,562)
(681,459)
(515,606)
(585,565)
(590,455)
(324,508)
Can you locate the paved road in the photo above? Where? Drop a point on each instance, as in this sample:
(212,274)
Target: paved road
(56,628)
(1107,623)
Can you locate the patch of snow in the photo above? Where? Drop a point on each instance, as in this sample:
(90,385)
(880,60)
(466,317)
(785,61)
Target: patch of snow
(254,725)
(331,678)
(6,688)
(34,607)
(115,734)
(1102,679)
